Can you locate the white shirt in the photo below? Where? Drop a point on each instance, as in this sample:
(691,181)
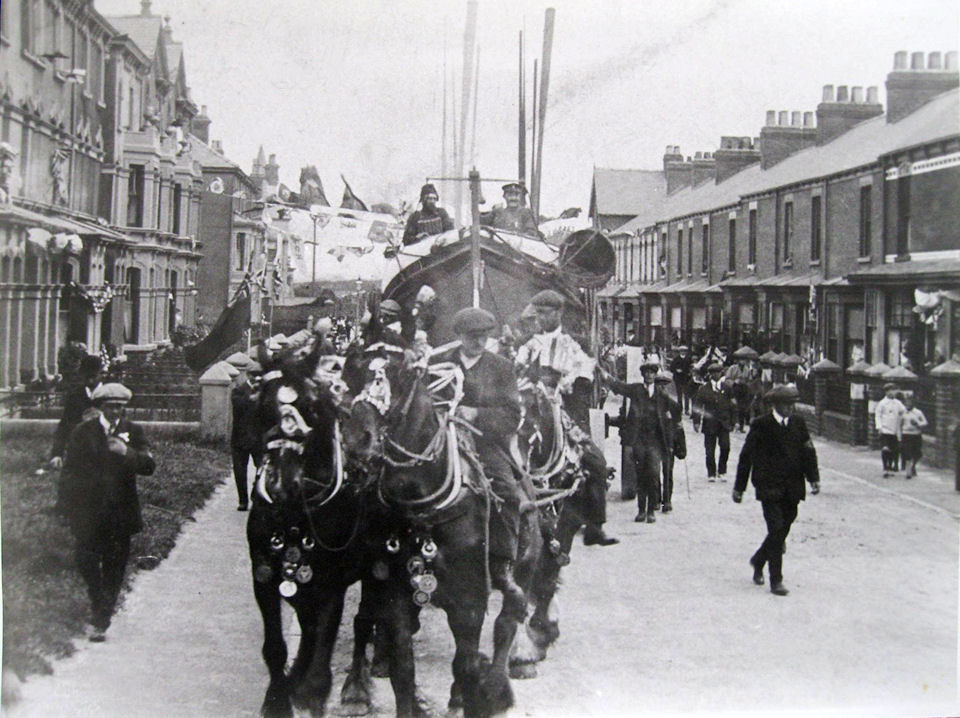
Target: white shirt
(107,426)
(782,420)
(469,362)
(651,388)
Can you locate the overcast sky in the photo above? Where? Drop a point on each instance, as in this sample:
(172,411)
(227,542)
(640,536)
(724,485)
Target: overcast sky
(355,87)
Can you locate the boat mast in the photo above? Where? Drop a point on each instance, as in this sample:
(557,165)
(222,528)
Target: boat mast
(475,234)
(444,169)
(544,88)
(522,128)
(476,95)
(469,41)
(533,130)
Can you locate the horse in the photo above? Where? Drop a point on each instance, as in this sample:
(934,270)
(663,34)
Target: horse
(305,530)
(441,506)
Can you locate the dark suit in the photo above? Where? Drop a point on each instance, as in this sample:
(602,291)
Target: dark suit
(244,441)
(490,387)
(99,493)
(777,458)
(682,369)
(649,427)
(715,412)
(75,402)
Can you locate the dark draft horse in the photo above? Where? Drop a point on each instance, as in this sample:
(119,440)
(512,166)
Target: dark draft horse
(440,506)
(308,532)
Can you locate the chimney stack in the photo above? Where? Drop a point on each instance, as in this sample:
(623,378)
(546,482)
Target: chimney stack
(735,154)
(145,8)
(677,172)
(704,168)
(834,117)
(771,118)
(909,89)
(272,170)
(216,146)
(780,140)
(200,125)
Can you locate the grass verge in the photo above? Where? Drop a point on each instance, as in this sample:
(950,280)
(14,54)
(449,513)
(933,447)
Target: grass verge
(45,605)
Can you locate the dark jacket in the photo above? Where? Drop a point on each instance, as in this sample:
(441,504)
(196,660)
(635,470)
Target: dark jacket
(75,401)
(518,220)
(778,459)
(243,432)
(491,388)
(715,408)
(99,486)
(682,369)
(669,414)
(432,223)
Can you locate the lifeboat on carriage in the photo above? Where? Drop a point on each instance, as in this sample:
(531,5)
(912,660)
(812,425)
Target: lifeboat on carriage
(513,268)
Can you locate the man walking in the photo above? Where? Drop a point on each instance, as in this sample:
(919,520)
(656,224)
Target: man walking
(652,420)
(889,421)
(682,369)
(99,491)
(713,414)
(777,455)
(244,443)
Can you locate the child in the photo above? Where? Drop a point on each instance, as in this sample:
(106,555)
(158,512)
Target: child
(912,424)
(889,414)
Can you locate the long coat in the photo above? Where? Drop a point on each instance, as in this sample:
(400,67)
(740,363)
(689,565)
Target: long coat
(491,387)
(715,407)
(99,486)
(778,459)
(243,432)
(669,414)
(76,401)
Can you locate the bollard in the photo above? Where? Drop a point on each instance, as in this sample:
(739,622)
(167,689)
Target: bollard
(215,409)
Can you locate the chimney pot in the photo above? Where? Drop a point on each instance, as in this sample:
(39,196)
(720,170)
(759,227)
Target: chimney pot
(828,93)
(771,118)
(900,60)
(808,119)
(784,118)
(203,109)
(698,155)
(843,93)
(934,61)
(795,118)
(873,95)
(856,95)
(950,60)
(145,8)
(668,150)
(917,61)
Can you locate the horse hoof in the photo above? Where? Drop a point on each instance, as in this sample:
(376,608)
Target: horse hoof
(353,708)
(356,691)
(523,671)
(276,705)
(496,692)
(422,707)
(380,669)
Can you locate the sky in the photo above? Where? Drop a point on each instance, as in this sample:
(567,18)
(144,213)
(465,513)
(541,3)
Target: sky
(355,87)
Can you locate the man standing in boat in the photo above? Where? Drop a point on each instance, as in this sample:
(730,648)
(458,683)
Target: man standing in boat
(515,217)
(429,220)
(556,359)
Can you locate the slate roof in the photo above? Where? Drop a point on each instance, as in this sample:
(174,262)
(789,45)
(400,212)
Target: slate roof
(626,192)
(143,30)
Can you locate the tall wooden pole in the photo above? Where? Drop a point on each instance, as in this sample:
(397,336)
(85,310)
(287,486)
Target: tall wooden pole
(476,93)
(444,169)
(475,234)
(522,128)
(533,129)
(469,41)
(544,90)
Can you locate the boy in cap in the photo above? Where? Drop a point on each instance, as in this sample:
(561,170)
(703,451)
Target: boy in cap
(514,217)
(777,455)
(104,455)
(554,358)
(714,414)
(429,220)
(889,418)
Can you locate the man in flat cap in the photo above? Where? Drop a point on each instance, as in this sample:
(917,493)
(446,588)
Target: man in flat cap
(104,455)
(888,417)
(491,403)
(651,422)
(742,377)
(515,217)
(714,414)
(245,444)
(682,369)
(777,455)
(76,401)
(557,360)
(429,220)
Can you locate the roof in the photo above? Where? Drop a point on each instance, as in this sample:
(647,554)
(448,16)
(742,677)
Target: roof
(144,30)
(912,270)
(208,157)
(625,192)
(174,55)
(860,146)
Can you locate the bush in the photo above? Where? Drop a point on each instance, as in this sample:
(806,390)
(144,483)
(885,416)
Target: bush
(45,604)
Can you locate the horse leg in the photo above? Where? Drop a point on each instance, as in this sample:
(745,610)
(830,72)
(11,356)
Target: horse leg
(355,694)
(544,628)
(398,631)
(495,685)
(523,654)
(465,619)
(381,653)
(305,606)
(314,687)
(276,702)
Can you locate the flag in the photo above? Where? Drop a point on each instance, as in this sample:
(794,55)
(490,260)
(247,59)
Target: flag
(227,331)
(350,200)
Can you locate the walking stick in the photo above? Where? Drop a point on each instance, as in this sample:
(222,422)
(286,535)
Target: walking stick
(686,473)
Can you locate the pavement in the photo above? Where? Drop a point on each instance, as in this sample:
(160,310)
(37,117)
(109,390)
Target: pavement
(666,622)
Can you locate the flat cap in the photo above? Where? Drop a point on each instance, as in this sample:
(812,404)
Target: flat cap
(890,385)
(650,362)
(547,298)
(528,312)
(239,360)
(664,377)
(715,366)
(473,319)
(683,348)
(784,392)
(389,306)
(113,391)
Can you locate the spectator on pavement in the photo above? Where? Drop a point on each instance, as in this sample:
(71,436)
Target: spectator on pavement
(911,442)
(888,417)
(99,490)
(777,455)
(76,402)
(244,442)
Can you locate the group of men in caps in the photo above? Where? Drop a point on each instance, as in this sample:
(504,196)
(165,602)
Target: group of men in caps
(100,453)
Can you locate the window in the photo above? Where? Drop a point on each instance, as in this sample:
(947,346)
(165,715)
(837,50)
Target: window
(32,25)
(815,228)
(680,252)
(871,306)
(56,28)
(865,206)
(177,200)
(97,71)
(752,238)
(131,109)
(159,184)
(705,249)
(241,249)
(787,231)
(662,257)
(833,332)
(690,252)
(135,187)
(80,54)
(903,214)
(732,247)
